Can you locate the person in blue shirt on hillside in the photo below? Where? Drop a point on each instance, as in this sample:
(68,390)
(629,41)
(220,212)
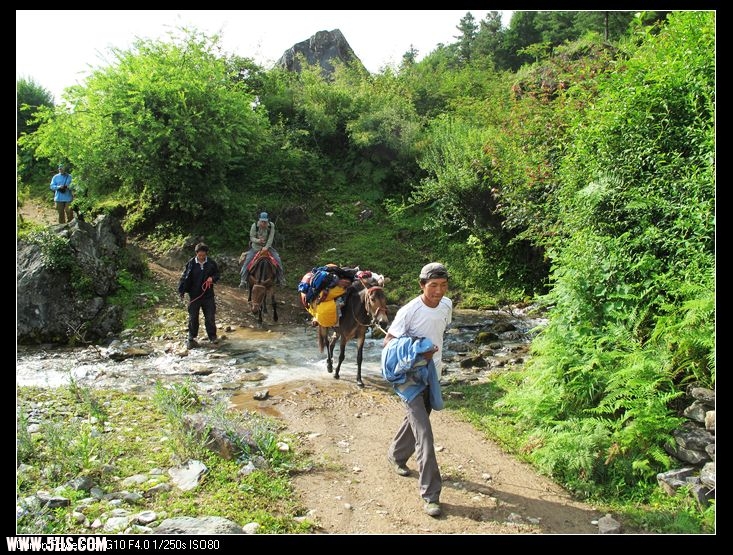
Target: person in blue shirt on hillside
(62,196)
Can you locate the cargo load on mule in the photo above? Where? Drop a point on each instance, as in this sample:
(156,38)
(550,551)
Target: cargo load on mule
(347,301)
(321,290)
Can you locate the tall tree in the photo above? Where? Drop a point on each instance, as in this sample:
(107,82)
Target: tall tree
(468,28)
(555,27)
(160,130)
(409,58)
(489,38)
(522,33)
(612,25)
(29,97)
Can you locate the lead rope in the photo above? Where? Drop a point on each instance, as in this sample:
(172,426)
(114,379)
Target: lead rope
(204,286)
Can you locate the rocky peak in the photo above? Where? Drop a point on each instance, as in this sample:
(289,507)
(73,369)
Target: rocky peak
(322,48)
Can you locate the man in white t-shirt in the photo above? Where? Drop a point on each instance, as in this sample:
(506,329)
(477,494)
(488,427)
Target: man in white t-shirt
(427,315)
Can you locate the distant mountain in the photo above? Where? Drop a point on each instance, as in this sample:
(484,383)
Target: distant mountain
(322,48)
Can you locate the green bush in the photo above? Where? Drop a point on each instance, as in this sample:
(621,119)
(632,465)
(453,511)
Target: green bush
(55,250)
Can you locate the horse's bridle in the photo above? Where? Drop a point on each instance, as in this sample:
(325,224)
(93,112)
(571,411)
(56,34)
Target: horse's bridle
(368,307)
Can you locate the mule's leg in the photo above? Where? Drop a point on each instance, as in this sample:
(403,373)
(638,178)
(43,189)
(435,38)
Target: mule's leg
(331,347)
(325,343)
(342,355)
(359,353)
(274,308)
(264,302)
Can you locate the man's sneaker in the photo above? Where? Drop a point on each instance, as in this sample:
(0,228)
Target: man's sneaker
(191,343)
(432,509)
(400,469)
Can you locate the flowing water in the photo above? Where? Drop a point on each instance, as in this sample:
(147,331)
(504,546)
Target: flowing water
(245,358)
(254,356)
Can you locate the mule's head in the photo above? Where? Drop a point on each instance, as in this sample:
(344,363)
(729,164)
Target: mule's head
(375,279)
(375,303)
(258,297)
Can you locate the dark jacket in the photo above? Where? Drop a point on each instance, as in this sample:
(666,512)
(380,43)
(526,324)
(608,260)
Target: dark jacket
(193,277)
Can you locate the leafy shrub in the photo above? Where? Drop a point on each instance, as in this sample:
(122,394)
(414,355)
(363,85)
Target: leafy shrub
(55,250)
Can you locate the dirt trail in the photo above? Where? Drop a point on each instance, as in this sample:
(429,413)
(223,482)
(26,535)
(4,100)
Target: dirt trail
(352,490)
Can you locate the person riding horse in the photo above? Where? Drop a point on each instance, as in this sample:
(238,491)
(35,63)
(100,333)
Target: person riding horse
(261,281)
(261,237)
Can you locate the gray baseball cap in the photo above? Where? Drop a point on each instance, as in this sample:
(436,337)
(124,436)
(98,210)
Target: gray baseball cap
(434,270)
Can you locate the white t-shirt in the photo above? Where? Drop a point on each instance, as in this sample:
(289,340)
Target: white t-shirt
(417,319)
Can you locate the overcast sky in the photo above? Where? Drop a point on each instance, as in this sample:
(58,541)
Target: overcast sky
(57,48)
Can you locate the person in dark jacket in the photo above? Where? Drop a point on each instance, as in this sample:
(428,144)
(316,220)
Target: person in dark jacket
(198,279)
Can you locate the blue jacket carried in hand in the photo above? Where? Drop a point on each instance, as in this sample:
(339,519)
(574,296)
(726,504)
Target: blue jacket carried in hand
(405,367)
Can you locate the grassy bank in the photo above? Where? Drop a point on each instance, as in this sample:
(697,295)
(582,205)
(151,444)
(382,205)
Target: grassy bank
(72,432)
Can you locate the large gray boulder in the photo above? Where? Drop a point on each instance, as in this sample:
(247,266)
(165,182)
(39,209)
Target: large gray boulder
(321,49)
(62,295)
(212,525)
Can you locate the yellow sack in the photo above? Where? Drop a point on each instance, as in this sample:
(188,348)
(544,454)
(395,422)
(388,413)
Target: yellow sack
(325,312)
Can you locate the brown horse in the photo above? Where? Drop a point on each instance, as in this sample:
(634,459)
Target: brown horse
(364,307)
(261,284)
